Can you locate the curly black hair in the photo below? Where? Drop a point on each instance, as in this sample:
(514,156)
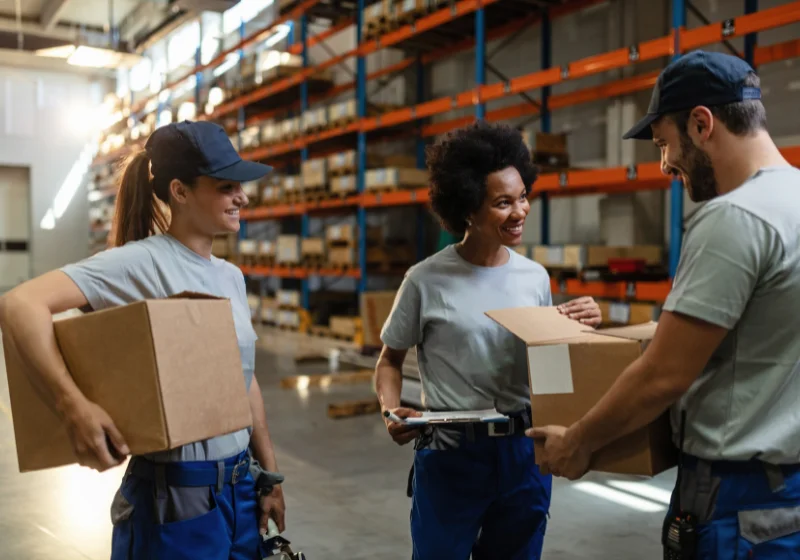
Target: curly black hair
(460,163)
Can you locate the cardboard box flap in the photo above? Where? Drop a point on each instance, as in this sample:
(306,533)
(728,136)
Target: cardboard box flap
(193,295)
(641,332)
(538,325)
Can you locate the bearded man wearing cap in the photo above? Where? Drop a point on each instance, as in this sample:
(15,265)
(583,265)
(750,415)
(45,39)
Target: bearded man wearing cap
(725,358)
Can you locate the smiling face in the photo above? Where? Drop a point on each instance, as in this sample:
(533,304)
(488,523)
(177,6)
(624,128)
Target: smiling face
(212,205)
(502,216)
(682,158)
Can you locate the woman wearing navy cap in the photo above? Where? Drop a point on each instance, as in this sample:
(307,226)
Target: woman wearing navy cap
(174,197)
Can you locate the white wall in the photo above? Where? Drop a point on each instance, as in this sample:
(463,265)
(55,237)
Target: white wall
(44,125)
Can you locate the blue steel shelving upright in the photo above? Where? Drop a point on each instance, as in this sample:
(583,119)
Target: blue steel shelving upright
(676,186)
(361,152)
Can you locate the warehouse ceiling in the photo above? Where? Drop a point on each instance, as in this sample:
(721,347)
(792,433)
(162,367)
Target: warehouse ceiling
(27,26)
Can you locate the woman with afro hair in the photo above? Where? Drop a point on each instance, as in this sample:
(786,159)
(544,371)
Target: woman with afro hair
(476,489)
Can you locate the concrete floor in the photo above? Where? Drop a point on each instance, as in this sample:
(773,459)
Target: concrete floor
(345,488)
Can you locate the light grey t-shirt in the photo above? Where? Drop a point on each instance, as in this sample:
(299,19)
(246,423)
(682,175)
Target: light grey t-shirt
(158,267)
(466,360)
(740,269)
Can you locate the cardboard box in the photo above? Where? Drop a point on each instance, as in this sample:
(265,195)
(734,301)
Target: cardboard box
(266,248)
(250,137)
(248,247)
(344,184)
(269,310)
(560,256)
(315,118)
(571,367)
(167,371)
(348,234)
(289,318)
(628,313)
(314,173)
(395,177)
(271,193)
(342,256)
(292,184)
(344,326)
(343,111)
(288,249)
(312,246)
(375,309)
(549,143)
(599,255)
(270,132)
(288,298)
(223,246)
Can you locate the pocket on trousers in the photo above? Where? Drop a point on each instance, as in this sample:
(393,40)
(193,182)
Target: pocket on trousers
(122,509)
(769,533)
(203,536)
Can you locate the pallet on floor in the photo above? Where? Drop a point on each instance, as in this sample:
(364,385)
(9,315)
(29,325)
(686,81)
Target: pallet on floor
(350,409)
(327,379)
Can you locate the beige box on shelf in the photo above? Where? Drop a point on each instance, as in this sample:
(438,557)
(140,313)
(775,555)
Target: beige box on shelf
(288,318)
(269,310)
(344,184)
(342,160)
(628,313)
(375,308)
(290,128)
(560,256)
(252,302)
(342,111)
(378,10)
(248,247)
(250,137)
(312,246)
(271,193)
(314,119)
(167,371)
(571,367)
(266,248)
(314,173)
(270,132)
(600,255)
(344,326)
(292,184)
(341,233)
(407,7)
(223,246)
(394,177)
(288,249)
(251,189)
(342,256)
(288,298)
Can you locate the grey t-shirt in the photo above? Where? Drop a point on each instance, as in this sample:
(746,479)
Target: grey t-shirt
(740,269)
(158,267)
(466,360)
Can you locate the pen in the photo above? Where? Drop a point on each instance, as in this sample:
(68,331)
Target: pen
(393,417)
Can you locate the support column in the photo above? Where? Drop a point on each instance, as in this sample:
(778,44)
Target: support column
(544,121)
(361,151)
(676,186)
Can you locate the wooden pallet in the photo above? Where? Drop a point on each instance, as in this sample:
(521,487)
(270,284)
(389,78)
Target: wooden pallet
(341,121)
(327,379)
(317,192)
(314,262)
(353,408)
(340,268)
(264,260)
(248,260)
(339,171)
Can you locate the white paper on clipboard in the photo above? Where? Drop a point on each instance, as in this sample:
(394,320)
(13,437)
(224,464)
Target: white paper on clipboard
(458,417)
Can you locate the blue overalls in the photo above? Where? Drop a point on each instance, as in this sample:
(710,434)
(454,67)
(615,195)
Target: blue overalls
(478,493)
(215,504)
(745,509)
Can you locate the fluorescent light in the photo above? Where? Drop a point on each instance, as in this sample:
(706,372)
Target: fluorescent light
(215,96)
(187,111)
(618,497)
(644,490)
(63,51)
(48,221)
(230,61)
(91,57)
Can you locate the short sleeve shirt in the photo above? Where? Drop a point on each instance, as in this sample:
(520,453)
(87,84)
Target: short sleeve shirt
(466,360)
(740,269)
(157,267)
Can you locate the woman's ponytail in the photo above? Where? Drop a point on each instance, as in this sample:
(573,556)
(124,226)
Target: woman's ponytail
(138,212)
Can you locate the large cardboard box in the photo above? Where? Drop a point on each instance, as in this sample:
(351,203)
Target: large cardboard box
(375,309)
(288,249)
(167,371)
(571,367)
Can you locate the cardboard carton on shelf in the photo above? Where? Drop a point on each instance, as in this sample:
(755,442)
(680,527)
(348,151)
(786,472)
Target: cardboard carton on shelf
(628,313)
(312,247)
(395,178)
(571,367)
(288,298)
(314,173)
(375,309)
(345,184)
(288,249)
(167,371)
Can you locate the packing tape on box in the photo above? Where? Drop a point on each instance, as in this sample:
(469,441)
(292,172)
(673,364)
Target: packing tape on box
(550,370)
(555,255)
(619,313)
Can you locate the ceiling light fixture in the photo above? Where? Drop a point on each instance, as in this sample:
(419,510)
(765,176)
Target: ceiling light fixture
(91,57)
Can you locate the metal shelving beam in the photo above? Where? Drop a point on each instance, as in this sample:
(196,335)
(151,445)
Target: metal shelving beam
(676,185)
(480,59)
(649,50)
(544,123)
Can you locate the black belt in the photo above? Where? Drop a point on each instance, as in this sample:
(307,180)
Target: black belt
(210,473)
(516,425)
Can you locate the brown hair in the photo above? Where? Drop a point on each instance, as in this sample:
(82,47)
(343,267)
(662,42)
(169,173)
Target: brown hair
(142,206)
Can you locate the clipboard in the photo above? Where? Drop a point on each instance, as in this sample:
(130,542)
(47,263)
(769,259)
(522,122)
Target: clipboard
(458,417)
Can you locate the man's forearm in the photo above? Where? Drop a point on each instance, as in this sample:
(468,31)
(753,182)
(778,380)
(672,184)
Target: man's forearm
(637,398)
(388,384)
(260,439)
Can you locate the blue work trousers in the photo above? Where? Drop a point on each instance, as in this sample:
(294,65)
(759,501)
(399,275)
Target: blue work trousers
(483,497)
(746,510)
(222,526)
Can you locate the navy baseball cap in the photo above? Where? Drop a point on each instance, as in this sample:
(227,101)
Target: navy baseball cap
(202,148)
(697,78)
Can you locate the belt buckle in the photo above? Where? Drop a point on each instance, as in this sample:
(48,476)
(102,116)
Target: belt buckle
(493,432)
(235,474)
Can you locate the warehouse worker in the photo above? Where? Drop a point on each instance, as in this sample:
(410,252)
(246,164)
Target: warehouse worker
(200,500)
(470,479)
(726,352)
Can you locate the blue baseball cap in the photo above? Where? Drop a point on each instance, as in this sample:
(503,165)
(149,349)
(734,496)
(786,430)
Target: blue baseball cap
(200,148)
(697,78)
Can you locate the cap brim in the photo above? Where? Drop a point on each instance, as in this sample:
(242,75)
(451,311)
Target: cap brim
(241,171)
(642,130)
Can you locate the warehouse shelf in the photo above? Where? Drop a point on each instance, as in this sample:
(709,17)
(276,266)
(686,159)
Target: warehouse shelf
(649,50)
(639,291)
(521,18)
